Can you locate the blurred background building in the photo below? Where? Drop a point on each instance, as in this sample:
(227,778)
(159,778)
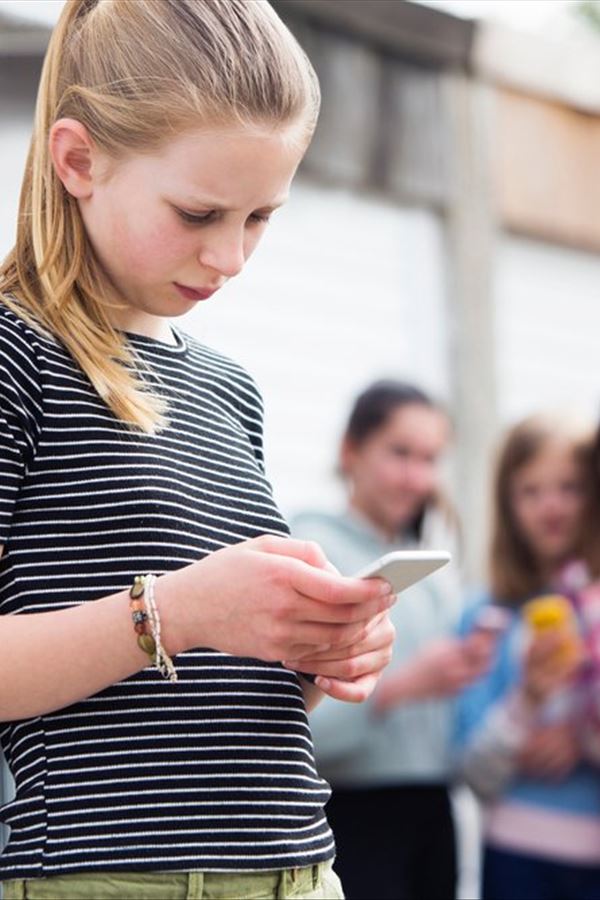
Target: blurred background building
(445,228)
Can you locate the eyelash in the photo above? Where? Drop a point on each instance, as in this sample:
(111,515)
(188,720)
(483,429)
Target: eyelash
(205,219)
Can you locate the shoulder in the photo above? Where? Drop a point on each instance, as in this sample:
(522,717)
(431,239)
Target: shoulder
(223,371)
(20,349)
(21,330)
(216,361)
(476,601)
(14,328)
(313,523)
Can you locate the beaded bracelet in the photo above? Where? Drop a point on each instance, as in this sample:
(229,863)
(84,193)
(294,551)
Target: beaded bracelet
(144,612)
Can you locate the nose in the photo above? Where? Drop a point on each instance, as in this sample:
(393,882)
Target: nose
(225,253)
(419,476)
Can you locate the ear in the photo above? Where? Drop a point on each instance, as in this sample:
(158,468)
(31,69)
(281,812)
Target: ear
(347,456)
(71,150)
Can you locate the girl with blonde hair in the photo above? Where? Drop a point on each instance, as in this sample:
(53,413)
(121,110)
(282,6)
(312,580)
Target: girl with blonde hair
(148,584)
(524,730)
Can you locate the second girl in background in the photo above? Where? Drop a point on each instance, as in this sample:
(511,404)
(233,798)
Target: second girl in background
(387,762)
(524,730)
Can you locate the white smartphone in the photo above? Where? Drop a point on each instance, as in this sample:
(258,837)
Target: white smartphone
(405,567)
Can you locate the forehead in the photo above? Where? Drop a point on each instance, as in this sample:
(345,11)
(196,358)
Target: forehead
(420,426)
(554,459)
(233,168)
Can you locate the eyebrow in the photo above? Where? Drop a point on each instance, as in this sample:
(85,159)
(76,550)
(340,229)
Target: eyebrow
(191,203)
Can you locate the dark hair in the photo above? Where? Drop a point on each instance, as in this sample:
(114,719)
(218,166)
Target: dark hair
(593,524)
(373,407)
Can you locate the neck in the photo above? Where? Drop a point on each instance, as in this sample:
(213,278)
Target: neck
(550,568)
(155,327)
(384,529)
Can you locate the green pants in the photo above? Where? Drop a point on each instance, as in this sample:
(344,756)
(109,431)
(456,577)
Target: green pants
(312,883)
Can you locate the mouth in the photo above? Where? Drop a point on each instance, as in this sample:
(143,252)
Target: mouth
(194,293)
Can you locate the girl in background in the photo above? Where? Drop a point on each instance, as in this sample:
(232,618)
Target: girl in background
(388,762)
(520,729)
(140,537)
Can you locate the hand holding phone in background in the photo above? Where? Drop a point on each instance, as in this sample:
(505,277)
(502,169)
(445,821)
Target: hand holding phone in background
(555,650)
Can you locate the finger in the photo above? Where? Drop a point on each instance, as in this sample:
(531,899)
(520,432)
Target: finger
(378,638)
(346,669)
(350,691)
(328,588)
(346,613)
(372,627)
(306,551)
(316,637)
(545,645)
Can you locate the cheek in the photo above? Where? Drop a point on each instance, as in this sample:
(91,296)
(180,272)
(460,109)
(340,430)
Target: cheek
(151,250)
(136,240)
(525,518)
(394,479)
(575,510)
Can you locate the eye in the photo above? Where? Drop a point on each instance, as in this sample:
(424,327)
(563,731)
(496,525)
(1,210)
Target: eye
(400,451)
(196,218)
(259,217)
(574,488)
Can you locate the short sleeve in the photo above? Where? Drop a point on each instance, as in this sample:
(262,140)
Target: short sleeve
(252,416)
(20,411)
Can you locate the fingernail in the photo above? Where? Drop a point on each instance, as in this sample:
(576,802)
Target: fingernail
(323,683)
(385,589)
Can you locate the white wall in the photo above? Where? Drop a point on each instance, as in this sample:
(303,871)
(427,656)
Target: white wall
(547,328)
(14,143)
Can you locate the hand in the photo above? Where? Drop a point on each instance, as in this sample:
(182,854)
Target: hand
(350,673)
(550,752)
(441,669)
(269,598)
(546,667)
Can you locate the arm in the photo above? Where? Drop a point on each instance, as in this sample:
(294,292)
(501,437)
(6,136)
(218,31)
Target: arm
(490,760)
(266,598)
(509,740)
(441,669)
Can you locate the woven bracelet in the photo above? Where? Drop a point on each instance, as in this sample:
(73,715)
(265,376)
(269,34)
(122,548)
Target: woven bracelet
(146,624)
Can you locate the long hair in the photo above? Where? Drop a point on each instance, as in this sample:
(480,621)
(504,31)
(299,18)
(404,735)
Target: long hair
(136,74)
(372,410)
(515,572)
(592,530)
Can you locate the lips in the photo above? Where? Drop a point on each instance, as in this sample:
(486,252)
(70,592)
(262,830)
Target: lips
(194,293)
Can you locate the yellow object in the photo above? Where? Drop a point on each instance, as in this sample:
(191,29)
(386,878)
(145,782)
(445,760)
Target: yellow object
(549,611)
(553,612)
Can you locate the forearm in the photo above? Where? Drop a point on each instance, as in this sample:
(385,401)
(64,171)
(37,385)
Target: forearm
(51,660)
(492,757)
(405,685)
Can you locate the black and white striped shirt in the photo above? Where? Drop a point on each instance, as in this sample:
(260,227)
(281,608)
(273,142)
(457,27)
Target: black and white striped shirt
(215,772)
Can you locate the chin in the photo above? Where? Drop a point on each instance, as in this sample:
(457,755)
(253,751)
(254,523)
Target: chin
(559,553)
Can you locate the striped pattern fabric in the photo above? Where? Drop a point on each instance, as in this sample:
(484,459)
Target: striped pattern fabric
(216,772)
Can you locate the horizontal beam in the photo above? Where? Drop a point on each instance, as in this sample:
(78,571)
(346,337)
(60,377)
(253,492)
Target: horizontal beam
(409,30)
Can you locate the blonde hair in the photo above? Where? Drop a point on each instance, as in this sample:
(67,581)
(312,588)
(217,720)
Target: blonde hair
(514,572)
(135,74)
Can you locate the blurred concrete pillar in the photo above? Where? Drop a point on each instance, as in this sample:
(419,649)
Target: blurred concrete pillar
(471,230)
